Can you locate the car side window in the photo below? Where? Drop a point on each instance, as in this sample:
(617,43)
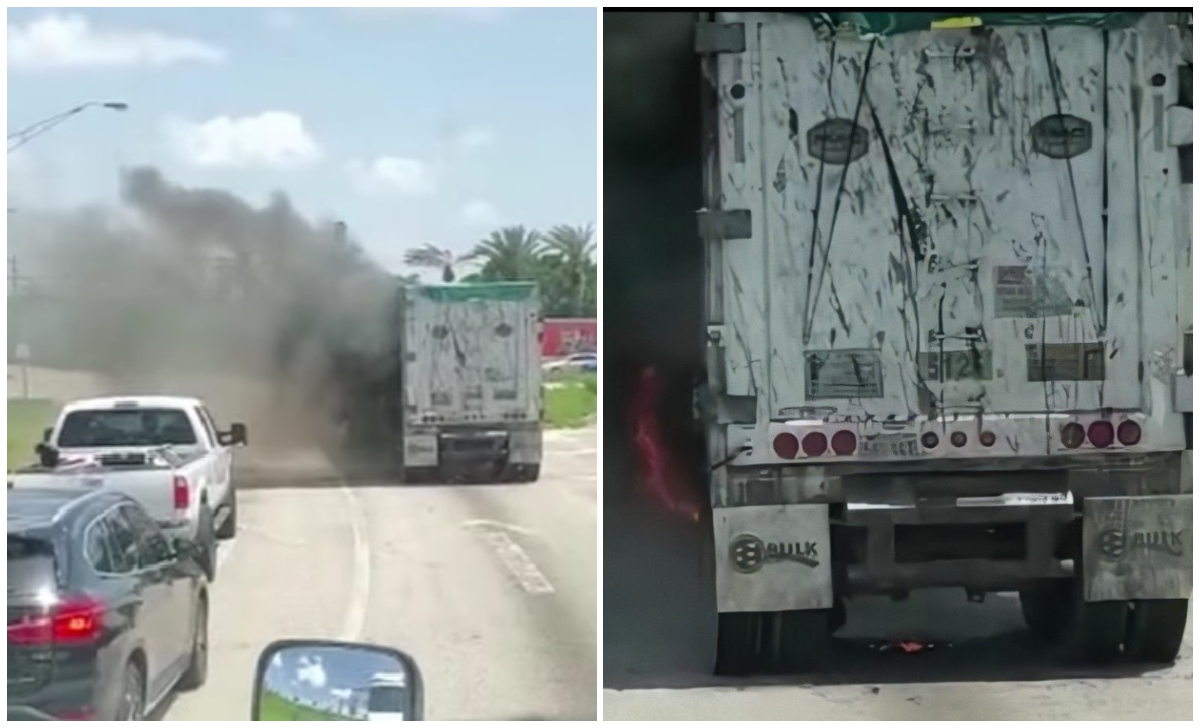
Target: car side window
(153,548)
(97,547)
(210,433)
(123,542)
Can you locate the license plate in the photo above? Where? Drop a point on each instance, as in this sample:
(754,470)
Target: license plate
(902,445)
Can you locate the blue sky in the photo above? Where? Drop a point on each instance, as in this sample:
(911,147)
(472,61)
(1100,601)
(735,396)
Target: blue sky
(411,125)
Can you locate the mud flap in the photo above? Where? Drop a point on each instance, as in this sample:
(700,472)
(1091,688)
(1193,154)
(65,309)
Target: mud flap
(1137,547)
(421,449)
(773,558)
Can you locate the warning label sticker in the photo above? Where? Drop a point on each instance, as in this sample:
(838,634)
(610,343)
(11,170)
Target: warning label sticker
(1023,293)
(843,374)
(1065,362)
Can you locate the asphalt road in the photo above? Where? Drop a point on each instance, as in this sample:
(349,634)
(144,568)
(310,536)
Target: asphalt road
(491,588)
(659,646)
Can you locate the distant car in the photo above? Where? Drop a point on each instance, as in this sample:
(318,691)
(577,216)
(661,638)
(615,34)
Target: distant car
(572,364)
(105,616)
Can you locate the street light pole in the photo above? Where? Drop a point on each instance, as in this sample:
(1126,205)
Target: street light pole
(20,138)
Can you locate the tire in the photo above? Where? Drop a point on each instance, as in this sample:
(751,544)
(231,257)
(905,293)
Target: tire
(803,639)
(522,473)
(1156,630)
(1047,609)
(131,705)
(207,540)
(197,670)
(1098,628)
(739,642)
(228,527)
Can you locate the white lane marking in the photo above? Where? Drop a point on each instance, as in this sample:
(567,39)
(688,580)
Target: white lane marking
(499,526)
(224,549)
(527,574)
(360,584)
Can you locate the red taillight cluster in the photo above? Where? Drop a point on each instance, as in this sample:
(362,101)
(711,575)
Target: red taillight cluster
(181,493)
(72,621)
(1100,434)
(786,445)
(815,444)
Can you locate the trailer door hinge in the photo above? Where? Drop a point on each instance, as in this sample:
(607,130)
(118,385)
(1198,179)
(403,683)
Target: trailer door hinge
(724,224)
(720,38)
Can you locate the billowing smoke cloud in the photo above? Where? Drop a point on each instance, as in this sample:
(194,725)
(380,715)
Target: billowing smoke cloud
(196,290)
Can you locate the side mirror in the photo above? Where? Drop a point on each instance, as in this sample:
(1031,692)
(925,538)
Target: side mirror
(46,433)
(322,680)
(235,436)
(47,455)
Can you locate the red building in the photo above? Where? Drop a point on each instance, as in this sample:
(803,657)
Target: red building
(562,337)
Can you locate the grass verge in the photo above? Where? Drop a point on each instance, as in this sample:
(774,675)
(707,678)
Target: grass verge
(26,420)
(571,401)
(273,706)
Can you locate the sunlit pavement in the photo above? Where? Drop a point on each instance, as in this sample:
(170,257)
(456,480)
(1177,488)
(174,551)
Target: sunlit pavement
(491,588)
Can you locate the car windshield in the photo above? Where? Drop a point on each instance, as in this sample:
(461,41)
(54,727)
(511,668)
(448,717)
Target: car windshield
(125,428)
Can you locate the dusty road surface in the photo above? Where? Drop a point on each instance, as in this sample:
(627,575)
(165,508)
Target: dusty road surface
(491,588)
(660,643)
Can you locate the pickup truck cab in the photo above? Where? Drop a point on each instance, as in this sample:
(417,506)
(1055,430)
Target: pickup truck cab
(164,452)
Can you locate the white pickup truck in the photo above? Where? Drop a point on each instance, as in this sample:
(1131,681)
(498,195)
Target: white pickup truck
(165,452)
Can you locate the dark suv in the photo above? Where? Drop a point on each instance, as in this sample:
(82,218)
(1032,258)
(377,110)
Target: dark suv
(105,615)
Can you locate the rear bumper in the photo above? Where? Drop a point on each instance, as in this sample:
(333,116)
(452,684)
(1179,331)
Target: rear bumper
(470,445)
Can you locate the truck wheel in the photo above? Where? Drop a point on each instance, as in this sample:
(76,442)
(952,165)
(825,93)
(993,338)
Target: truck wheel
(1156,629)
(522,473)
(207,539)
(739,642)
(1047,609)
(803,639)
(228,527)
(1100,630)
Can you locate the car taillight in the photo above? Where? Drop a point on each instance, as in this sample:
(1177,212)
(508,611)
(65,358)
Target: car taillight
(958,439)
(1072,435)
(1129,433)
(987,438)
(1100,434)
(71,621)
(786,445)
(929,440)
(815,444)
(181,493)
(844,443)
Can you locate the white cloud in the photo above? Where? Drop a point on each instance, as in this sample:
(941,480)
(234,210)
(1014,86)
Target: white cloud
(277,660)
(70,41)
(270,139)
(393,174)
(311,672)
(480,212)
(474,138)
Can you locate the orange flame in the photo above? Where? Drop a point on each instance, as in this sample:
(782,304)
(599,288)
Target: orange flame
(665,481)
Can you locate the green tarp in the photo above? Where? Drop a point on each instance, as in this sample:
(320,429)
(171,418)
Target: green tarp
(507,291)
(866,24)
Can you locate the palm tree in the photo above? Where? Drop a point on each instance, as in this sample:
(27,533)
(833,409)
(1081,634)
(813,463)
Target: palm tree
(510,253)
(431,256)
(574,249)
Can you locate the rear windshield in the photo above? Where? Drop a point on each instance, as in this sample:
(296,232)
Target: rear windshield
(30,565)
(126,428)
